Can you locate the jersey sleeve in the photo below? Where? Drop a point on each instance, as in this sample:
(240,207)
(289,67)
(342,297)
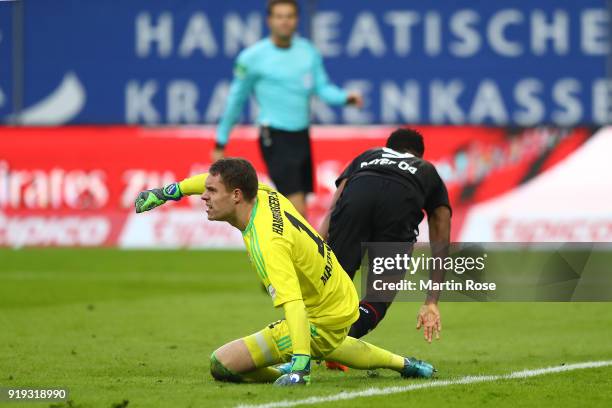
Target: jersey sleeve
(242,85)
(281,272)
(299,328)
(327,91)
(437,195)
(194,184)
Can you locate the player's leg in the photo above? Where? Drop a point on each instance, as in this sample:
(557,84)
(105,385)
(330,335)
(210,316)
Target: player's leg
(251,359)
(370,315)
(350,222)
(335,345)
(350,225)
(288,159)
(299,202)
(234,363)
(303,152)
(361,355)
(300,150)
(389,225)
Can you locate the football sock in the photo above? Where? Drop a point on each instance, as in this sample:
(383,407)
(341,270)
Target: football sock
(370,314)
(365,356)
(264,374)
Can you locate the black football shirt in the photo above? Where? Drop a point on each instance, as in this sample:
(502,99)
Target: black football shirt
(413,172)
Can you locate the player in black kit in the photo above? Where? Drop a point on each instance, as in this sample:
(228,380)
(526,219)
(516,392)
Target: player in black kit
(380,197)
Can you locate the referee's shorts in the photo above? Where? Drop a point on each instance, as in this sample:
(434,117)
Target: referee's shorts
(288,158)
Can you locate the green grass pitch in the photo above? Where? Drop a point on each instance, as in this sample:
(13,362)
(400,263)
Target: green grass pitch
(139,326)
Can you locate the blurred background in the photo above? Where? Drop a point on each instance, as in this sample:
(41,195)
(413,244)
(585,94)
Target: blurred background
(102,99)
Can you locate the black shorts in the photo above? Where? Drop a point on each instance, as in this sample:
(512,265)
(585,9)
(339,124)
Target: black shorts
(288,158)
(371,209)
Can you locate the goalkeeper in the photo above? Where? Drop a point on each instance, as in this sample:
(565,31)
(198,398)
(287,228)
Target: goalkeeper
(301,274)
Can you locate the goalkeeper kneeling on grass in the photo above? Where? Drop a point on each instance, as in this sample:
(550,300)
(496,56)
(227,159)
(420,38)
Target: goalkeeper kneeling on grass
(301,274)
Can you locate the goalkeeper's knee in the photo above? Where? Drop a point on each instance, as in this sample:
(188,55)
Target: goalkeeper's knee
(222,373)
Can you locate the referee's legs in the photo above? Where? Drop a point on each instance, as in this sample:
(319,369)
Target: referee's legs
(299,202)
(289,161)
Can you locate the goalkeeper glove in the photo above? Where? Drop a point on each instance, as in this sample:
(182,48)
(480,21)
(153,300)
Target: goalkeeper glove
(149,199)
(299,374)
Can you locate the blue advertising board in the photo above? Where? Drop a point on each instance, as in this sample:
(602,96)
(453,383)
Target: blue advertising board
(153,62)
(6,59)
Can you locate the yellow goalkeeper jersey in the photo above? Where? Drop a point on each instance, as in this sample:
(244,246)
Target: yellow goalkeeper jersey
(294,262)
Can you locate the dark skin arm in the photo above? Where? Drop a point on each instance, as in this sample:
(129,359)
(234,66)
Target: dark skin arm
(324,228)
(439,239)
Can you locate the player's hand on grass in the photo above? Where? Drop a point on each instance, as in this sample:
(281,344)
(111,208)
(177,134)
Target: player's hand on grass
(299,374)
(429,319)
(149,199)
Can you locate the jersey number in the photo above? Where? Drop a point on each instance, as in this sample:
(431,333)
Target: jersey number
(301,227)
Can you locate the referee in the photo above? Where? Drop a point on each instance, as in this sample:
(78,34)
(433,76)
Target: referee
(381,197)
(283,70)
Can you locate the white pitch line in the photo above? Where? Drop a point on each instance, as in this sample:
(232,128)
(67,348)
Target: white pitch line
(432,384)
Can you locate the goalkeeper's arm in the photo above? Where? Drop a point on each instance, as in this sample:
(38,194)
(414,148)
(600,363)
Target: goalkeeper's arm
(299,331)
(149,199)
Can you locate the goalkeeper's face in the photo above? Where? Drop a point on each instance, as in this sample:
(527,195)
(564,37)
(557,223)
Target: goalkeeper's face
(220,202)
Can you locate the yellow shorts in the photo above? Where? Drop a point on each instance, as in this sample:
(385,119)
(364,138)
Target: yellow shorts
(272,345)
